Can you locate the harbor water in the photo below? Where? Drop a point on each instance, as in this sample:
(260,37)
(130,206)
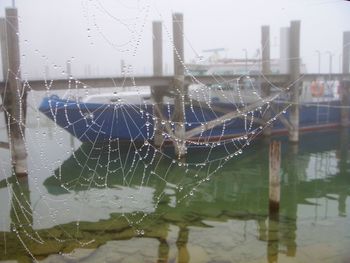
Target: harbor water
(80,203)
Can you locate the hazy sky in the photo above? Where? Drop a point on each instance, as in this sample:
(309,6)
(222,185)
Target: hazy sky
(100,33)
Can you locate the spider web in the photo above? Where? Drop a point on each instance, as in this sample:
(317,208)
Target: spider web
(107,175)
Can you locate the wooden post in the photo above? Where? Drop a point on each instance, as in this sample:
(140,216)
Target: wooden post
(3,43)
(157,92)
(4,56)
(345,85)
(178,44)
(294,68)
(274,177)
(179,117)
(157,48)
(15,97)
(69,75)
(3,46)
(266,69)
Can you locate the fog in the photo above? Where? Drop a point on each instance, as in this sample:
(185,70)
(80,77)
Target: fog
(97,34)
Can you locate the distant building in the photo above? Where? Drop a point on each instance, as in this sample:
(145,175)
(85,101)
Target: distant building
(239,66)
(229,66)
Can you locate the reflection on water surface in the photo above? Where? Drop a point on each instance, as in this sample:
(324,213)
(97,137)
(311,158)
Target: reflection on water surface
(103,205)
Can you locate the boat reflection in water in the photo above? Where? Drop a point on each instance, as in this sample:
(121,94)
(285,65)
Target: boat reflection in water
(125,209)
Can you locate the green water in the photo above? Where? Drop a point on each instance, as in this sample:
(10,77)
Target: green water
(78,205)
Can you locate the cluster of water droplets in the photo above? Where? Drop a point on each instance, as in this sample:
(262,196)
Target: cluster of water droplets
(112,165)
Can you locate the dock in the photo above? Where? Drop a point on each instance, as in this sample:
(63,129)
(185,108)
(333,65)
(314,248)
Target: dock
(14,90)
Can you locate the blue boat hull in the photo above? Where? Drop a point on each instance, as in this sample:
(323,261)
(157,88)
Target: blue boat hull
(96,123)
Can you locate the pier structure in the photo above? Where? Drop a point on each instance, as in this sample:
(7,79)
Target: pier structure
(14,91)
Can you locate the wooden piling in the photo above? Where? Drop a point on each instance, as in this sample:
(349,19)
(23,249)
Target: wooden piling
(266,69)
(15,98)
(178,44)
(294,68)
(157,92)
(69,76)
(345,85)
(3,43)
(265,50)
(274,178)
(4,56)
(157,48)
(179,88)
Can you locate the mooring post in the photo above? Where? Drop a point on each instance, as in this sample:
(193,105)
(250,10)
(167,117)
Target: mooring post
(345,84)
(157,92)
(69,76)
(3,46)
(266,69)
(179,88)
(15,99)
(3,43)
(294,72)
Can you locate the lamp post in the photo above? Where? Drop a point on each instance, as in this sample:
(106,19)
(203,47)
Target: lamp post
(258,55)
(246,60)
(319,61)
(330,61)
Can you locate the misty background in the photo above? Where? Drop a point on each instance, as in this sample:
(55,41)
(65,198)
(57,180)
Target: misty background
(96,35)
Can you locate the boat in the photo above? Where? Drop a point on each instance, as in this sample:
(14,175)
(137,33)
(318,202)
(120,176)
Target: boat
(130,115)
